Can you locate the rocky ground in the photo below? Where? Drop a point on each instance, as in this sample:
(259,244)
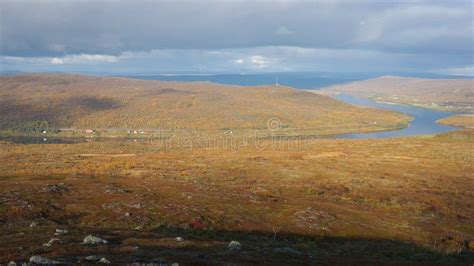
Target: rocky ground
(404,201)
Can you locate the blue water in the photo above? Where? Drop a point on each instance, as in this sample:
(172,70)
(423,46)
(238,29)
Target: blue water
(424,121)
(299,80)
(296,80)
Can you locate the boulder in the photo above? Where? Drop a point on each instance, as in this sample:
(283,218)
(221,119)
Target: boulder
(138,228)
(112,189)
(93,240)
(60,232)
(54,240)
(234,246)
(43,261)
(104,261)
(93,258)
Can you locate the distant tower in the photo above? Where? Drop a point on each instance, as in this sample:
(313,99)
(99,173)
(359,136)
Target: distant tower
(276,81)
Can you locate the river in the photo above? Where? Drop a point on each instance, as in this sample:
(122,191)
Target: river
(424,121)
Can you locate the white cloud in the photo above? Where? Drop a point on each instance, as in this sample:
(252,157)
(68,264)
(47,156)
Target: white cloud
(67,60)
(85,58)
(260,62)
(12,59)
(57,61)
(252,59)
(256,62)
(458,71)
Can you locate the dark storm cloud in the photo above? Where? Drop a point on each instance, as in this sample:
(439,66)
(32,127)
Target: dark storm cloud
(59,28)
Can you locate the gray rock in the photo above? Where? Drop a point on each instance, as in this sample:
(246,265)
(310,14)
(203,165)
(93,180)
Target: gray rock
(136,206)
(43,261)
(111,189)
(11,263)
(54,240)
(286,250)
(234,246)
(93,258)
(104,261)
(61,187)
(138,228)
(93,240)
(34,224)
(60,232)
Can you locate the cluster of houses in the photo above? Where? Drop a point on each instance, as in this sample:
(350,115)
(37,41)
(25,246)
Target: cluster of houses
(93,131)
(136,132)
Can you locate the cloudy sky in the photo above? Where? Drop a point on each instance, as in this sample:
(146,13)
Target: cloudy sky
(237,36)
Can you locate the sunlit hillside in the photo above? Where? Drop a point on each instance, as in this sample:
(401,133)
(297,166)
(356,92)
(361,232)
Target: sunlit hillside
(445,94)
(72,101)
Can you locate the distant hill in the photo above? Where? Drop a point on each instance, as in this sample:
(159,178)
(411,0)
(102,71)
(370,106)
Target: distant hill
(75,101)
(444,94)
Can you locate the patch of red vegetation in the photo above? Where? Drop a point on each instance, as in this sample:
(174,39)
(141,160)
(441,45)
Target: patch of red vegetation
(197,224)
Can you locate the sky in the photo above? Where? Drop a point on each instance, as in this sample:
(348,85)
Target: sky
(238,36)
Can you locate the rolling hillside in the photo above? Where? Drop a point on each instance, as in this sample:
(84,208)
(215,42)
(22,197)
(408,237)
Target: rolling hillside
(455,95)
(81,102)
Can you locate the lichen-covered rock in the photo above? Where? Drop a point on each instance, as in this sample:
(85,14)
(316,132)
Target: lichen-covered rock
(60,232)
(104,261)
(234,246)
(43,261)
(93,258)
(93,240)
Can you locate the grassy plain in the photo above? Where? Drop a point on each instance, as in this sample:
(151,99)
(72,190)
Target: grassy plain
(216,163)
(371,201)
